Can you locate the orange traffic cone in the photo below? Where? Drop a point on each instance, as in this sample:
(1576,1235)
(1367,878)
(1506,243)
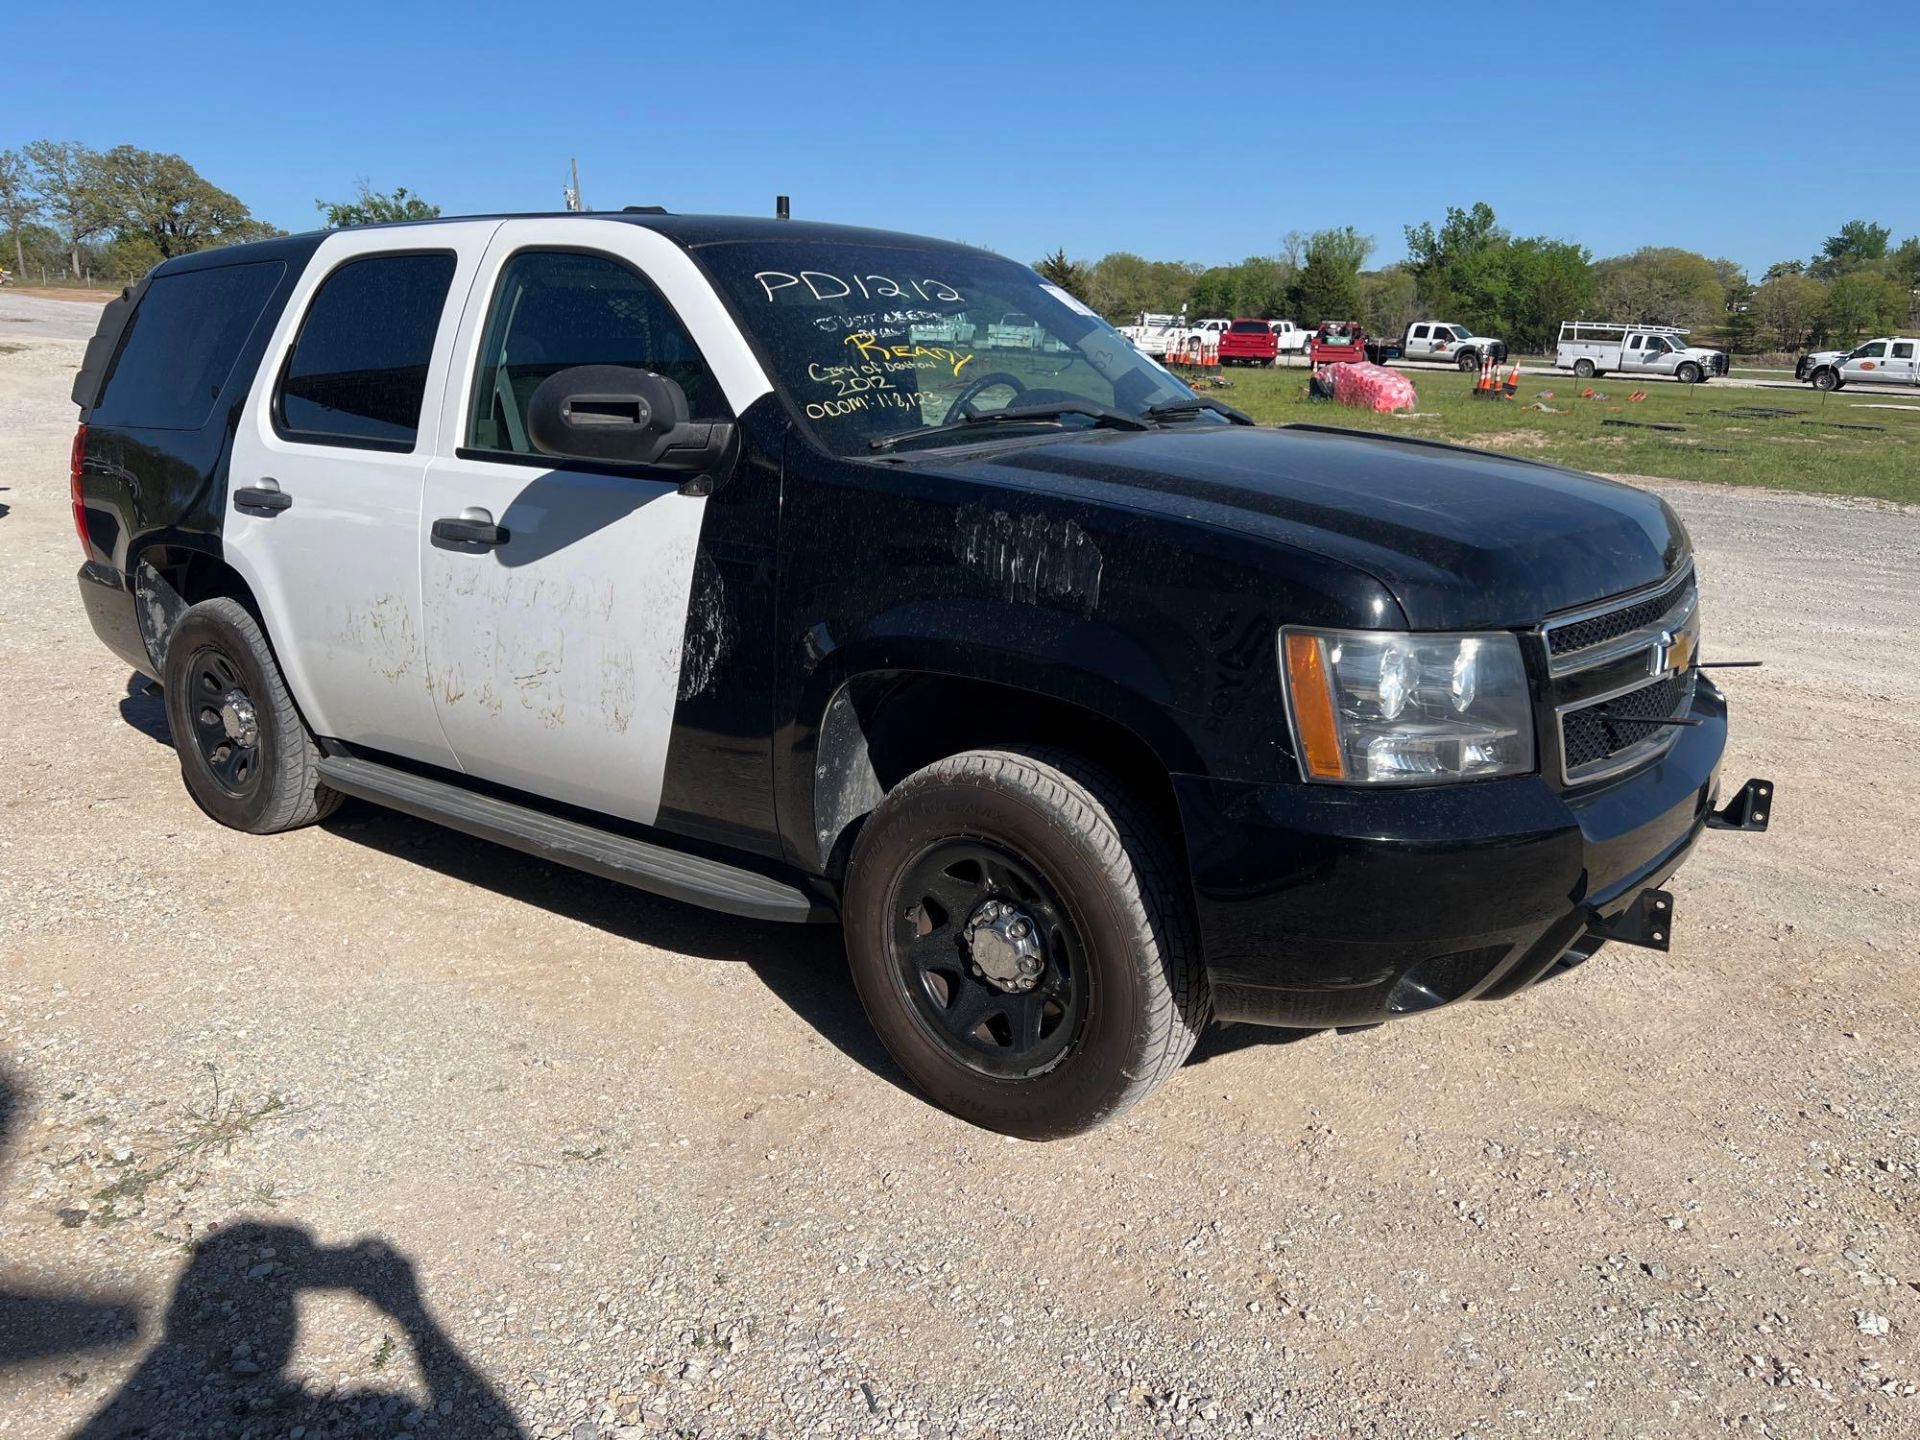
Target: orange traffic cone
(1513,381)
(1485,387)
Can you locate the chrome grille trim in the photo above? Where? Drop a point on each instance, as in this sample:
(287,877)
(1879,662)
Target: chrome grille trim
(1568,654)
(1637,752)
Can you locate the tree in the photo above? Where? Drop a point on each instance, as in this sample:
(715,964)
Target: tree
(71,183)
(1861,303)
(1329,286)
(370,207)
(1454,257)
(1784,267)
(1123,285)
(1859,243)
(1389,300)
(1659,285)
(165,201)
(1790,305)
(1549,281)
(1070,275)
(1258,285)
(18,206)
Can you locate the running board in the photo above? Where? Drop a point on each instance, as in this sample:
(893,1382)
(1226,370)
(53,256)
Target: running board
(672,873)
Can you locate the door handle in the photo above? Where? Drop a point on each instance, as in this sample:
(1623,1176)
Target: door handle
(266,498)
(472,526)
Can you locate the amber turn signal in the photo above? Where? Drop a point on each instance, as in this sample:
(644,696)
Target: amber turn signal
(1311,691)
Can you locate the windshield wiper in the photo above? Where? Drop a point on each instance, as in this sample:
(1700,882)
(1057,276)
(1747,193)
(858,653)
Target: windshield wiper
(1179,409)
(1013,414)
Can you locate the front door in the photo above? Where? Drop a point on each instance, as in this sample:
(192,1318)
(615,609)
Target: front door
(554,655)
(323,491)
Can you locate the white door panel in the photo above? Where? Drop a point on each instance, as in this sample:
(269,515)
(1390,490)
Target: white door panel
(554,657)
(337,573)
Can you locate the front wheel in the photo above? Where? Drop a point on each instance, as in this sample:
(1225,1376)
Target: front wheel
(1466,360)
(1583,368)
(1020,942)
(1688,374)
(245,753)
(1826,378)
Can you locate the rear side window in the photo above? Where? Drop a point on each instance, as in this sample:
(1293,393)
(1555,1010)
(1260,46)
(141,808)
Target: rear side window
(555,309)
(180,345)
(358,372)
(1903,350)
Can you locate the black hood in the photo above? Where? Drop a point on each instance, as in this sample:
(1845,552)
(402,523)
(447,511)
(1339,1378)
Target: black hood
(1461,537)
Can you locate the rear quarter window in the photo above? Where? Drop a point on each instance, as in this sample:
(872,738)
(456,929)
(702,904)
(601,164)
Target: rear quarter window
(177,355)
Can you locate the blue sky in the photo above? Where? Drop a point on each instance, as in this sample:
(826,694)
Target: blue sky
(1176,130)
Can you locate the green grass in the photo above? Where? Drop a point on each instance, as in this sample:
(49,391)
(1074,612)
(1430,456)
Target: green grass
(1798,451)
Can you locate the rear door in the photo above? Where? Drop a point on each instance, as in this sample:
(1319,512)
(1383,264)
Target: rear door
(1903,364)
(323,503)
(554,656)
(1419,346)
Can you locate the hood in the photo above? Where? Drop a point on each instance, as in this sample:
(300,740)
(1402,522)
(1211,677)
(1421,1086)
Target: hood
(1462,538)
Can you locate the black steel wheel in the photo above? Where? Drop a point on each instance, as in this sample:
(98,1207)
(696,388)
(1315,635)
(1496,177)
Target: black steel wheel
(1023,942)
(245,753)
(226,724)
(988,957)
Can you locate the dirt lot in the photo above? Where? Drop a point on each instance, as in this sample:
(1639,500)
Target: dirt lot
(621,1167)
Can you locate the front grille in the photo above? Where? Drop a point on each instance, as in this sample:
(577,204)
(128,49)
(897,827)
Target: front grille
(1589,631)
(1604,731)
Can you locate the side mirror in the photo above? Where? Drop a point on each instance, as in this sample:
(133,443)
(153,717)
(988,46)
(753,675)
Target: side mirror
(625,416)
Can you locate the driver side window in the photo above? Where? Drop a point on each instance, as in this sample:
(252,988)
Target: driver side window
(554,309)
(1871,352)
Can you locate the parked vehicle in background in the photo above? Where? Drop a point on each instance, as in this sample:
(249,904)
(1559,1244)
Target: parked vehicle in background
(1336,342)
(1454,344)
(1592,347)
(1249,342)
(1888,360)
(955,330)
(1155,334)
(1015,331)
(1210,331)
(1291,338)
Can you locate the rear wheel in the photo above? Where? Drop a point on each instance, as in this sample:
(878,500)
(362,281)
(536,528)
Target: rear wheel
(1583,368)
(245,753)
(1020,943)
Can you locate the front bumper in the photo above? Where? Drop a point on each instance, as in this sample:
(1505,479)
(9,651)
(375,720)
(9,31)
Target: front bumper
(1325,905)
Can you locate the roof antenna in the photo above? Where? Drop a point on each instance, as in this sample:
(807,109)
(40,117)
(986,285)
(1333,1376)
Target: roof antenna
(782,210)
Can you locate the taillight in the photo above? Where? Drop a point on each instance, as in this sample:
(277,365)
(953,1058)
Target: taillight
(73,484)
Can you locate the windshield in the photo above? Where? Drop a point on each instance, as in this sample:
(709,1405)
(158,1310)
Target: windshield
(866,341)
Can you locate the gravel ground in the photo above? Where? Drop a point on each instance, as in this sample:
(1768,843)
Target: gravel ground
(374,1129)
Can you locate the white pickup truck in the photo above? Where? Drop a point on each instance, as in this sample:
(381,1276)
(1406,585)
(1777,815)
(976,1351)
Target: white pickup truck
(1888,360)
(1450,344)
(1590,348)
(1292,339)
(1155,334)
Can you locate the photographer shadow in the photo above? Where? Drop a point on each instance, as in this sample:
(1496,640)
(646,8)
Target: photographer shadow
(229,1334)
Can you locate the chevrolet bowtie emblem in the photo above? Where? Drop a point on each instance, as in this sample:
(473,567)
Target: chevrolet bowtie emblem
(1672,653)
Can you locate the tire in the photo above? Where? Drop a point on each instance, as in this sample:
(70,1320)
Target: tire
(1688,374)
(1584,369)
(1120,977)
(221,687)
(1466,361)
(1826,378)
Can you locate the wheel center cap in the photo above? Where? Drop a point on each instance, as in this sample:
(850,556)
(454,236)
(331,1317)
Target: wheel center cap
(238,720)
(1004,945)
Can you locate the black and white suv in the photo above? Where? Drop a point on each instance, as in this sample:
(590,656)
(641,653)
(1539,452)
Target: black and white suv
(702,554)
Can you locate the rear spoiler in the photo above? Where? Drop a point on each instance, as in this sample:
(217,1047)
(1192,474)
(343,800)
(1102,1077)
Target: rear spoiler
(104,345)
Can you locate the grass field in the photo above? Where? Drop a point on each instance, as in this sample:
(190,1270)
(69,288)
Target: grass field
(1806,448)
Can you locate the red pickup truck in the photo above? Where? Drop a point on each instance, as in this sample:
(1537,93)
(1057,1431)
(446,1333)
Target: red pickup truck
(1249,342)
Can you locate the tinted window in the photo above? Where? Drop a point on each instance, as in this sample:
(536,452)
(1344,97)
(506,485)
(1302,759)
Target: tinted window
(1903,350)
(359,369)
(181,344)
(1250,327)
(555,309)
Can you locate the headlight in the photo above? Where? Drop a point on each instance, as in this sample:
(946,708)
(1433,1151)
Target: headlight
(1372,707)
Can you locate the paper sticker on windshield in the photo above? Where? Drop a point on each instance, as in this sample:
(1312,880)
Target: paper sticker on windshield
(1067,300)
